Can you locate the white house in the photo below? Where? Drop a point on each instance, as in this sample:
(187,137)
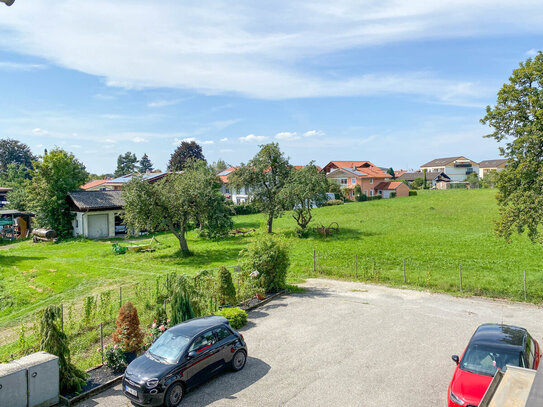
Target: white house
(97,213)
(237,196)
(456,168)
(491,165)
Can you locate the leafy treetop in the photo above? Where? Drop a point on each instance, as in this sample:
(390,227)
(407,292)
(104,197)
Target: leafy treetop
(126,164)
(186,152)
(517,122)
(15,152)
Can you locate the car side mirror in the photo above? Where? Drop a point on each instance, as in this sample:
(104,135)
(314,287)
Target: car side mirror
(455,358)
(192,354)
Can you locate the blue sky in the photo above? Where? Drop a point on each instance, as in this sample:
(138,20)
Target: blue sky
(394,82)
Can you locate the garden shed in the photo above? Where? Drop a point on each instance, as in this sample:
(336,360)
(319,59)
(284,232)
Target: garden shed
(97,213)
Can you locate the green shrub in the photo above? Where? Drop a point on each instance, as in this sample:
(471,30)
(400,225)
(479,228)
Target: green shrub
(393,194)
(242,209)
(236,317)
(302,233)
(412,193)
(115,358)
(118,249)
(333,202)
(226,292)
(128,334)
(362,198)
(181,307)
(269,256)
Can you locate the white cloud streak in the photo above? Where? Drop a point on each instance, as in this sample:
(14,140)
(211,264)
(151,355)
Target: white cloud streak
(251,138)
(224,48)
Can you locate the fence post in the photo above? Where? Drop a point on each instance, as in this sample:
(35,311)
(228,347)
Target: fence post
(120,297)
(356,266)
(404,275)
(460,272)
(314,261)
(525,291)
(102,341)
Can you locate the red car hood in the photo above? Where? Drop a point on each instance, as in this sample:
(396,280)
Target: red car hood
(470,387)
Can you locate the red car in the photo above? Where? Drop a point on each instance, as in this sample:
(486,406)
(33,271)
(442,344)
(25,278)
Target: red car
(492,347)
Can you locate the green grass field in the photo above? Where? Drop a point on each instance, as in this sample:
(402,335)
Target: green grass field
(434,232)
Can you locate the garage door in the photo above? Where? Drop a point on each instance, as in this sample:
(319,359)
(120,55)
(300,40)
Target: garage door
(98,226)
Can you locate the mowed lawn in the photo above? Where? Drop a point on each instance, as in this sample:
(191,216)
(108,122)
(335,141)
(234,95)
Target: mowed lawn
(434,232)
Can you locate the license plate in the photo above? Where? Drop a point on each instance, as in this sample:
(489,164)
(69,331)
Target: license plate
(131,391)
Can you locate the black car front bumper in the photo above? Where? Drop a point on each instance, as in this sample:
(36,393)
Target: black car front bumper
(143,396)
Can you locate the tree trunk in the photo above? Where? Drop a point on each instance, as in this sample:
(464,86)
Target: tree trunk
(182,241)
(270,223)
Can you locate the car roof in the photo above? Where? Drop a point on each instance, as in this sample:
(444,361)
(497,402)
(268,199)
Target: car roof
(505,336)
(195,326)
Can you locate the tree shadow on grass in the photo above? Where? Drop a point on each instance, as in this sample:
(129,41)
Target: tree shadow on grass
(9,261)
(248,224)
(201,258)
(344,233)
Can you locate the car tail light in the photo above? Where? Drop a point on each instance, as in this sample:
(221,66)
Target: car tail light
(242,338)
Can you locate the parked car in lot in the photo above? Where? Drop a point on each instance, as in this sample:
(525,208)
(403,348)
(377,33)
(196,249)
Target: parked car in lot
(183,357)
(492,347)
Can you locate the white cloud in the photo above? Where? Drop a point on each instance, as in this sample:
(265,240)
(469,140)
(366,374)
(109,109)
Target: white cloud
(287,136)
(163,103)
(226,150)
(314,133)
(177,141)
(17,66)
(532,52)
(138,139)
(224,139)
(40,132)
(110,141)
(75,146)
(221,48)
(252,138)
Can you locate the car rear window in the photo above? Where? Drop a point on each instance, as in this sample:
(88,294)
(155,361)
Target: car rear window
(484,360)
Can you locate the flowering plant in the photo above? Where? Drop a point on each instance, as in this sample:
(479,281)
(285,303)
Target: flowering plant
(115,358)
(155,331)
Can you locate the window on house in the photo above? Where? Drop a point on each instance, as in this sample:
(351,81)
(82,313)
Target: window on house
(371,192)
(226,190)
(371,180)
(343,181)
(366,192)
(353,181)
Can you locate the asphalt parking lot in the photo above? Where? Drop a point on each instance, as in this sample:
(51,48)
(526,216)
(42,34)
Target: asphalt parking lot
(351,344)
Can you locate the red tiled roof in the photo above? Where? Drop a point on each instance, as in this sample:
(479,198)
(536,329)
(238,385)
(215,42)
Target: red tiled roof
(299,167)
(399,173)
(386,186)
(94,183)
(229,171)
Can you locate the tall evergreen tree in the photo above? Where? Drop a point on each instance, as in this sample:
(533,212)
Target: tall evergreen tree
(126,164)
(145,164)
(187,151)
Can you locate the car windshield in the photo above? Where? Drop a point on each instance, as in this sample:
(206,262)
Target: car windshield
(169,346)
(486,360)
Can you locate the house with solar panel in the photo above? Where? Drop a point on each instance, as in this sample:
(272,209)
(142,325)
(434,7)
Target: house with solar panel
(116,184)
(456,168)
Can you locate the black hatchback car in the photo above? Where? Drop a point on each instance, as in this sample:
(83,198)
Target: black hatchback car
(183,357)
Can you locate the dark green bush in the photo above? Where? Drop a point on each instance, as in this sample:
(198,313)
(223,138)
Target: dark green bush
(412,193)
(269,256)
(226,292)
(362,198)
(393,194)
(242,209)
(236,317)
(302,233)
(333,202)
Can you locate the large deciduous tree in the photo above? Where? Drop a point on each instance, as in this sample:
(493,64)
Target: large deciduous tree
(184,154)
(220,165)
(16,177)
(305,189)
(15,152)
(178,203)
(126,164)
(264,176)
(53,177)
(517,121)
(145,164)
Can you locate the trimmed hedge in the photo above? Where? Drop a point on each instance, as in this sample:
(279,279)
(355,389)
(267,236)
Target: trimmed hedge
(236,317)
(412,193)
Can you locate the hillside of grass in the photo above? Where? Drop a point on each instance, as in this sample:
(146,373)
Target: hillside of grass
(434,232)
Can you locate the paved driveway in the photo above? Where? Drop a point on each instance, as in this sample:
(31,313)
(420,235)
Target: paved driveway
(351,344)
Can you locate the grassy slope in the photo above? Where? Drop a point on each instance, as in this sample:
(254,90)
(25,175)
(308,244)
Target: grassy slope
(434,232)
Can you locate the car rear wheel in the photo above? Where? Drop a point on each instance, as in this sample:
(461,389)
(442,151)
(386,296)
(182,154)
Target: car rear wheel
(238,361)
(174,395)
